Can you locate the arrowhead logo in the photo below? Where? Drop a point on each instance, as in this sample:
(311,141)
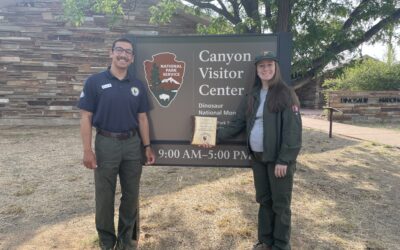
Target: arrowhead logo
(164,76)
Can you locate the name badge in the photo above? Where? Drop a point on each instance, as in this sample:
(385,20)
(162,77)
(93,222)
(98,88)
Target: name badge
(106,86)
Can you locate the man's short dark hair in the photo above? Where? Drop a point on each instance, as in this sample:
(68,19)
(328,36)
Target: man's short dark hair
(125,40)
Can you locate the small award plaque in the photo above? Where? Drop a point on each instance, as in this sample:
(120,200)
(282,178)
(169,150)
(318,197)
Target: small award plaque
(205,130)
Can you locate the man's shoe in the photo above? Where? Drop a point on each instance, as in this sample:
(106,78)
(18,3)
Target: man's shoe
(261,246)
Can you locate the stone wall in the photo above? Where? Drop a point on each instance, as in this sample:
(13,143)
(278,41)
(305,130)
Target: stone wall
(310,95)
(366,106)
(44,62)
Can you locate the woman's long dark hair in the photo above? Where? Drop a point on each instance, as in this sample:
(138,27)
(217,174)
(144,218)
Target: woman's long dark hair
(280,95)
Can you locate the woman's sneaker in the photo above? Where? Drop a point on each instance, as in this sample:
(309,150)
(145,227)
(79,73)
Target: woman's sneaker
(261,246)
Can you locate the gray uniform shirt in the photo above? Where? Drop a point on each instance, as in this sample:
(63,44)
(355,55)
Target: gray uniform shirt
(257,132)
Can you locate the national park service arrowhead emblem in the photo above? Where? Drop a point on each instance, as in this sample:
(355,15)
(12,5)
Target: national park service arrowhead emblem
(164,76)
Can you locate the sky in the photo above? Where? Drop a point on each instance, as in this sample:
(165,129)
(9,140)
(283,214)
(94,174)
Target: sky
(379,51)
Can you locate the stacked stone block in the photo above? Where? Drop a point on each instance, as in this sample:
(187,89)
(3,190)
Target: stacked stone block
(366,106)
(44,61)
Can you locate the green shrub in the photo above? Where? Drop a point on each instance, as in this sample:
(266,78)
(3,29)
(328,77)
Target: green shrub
(367,75)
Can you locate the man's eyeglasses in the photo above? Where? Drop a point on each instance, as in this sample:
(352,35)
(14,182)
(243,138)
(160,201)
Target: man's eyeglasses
(120,50)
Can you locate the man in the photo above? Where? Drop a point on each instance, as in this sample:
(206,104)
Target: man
(116,104)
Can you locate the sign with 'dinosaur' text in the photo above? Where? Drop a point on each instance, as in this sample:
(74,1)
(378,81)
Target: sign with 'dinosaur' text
(202,76)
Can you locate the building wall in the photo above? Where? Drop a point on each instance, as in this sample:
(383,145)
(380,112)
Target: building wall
(44,62)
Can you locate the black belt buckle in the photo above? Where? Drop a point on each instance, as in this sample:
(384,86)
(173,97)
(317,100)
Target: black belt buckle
(126,135)
(122,136)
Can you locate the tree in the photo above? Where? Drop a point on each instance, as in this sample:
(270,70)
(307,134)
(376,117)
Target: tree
(368,74)
(322,29)
(74,10)
(390,54)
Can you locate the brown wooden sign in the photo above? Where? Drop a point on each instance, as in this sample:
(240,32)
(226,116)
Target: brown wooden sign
(202,76)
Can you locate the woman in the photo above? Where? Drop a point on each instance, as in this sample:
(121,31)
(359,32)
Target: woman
(269,114)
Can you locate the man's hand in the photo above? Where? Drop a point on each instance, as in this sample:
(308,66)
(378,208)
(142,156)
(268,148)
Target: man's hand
(89,159)
(280,170)
(150,156)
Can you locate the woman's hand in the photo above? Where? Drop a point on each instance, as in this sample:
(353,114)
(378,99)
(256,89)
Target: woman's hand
(280,170)
(206,145)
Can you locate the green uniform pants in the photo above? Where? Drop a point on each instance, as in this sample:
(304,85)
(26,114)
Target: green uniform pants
(117,157)
(274,196)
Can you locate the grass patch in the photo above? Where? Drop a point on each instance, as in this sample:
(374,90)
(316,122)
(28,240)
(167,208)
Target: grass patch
(345,196)
(90,242)
(26,190)
(206,208)
(13,210)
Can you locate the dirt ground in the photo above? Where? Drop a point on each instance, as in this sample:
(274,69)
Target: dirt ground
(346,196)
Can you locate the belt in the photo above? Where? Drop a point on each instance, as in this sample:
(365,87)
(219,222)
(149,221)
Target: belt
(119,136)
